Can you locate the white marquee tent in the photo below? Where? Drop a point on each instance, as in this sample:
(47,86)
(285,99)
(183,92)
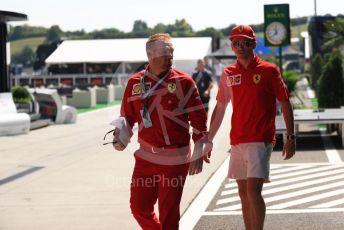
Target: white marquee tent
(187,51)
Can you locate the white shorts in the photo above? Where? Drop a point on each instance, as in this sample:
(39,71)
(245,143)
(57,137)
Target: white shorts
(250,160)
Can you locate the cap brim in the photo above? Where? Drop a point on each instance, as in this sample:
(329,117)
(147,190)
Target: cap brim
(241,35)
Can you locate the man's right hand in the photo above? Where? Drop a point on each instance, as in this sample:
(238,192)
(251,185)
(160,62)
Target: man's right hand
(118,145)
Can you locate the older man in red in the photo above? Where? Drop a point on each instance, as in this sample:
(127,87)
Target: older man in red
(164,102)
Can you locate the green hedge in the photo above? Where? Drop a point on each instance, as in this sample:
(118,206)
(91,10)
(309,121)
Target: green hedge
(331,82)
(290,79)
(21,94)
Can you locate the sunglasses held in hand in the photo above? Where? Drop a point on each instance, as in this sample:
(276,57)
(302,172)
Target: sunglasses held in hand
(112,142)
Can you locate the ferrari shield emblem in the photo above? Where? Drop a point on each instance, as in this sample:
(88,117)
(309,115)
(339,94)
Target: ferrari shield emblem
(171,87)
(256,78)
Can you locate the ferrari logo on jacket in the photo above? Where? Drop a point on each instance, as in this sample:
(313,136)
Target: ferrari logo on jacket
(171,87)
(256,78)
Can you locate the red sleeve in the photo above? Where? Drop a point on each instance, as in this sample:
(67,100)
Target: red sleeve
(223,94)
(127,106)
(196,111)
(279,86)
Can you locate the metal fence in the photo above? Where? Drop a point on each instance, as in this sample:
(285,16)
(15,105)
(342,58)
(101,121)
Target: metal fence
(73,80)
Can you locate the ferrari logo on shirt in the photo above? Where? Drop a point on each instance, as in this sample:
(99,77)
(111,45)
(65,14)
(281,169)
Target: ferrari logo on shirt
(171,87)
(234,80)
(256,78)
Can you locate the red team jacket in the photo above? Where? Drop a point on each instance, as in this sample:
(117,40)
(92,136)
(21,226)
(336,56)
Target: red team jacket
(173,107)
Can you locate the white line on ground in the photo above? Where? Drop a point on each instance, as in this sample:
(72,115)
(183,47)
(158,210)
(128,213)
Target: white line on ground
(295,179)
(295,194)
(291,169)
(330,150)
(230,213)
(287,187)
(329,204)
(233,187)
(202,200)
(307,199)
(307,171)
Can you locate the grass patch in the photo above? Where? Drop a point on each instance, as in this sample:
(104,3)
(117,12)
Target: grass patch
(18,45)
(98,106)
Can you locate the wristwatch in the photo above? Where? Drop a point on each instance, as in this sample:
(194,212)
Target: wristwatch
(291,136)
(206,139)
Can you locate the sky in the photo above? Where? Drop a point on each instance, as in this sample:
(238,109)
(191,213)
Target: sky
(99,14)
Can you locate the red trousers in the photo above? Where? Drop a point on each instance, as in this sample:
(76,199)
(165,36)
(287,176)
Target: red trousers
(152,182)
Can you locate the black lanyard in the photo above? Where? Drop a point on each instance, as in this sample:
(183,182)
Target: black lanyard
(146,94)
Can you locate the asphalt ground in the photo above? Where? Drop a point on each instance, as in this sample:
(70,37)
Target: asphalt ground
(62,177)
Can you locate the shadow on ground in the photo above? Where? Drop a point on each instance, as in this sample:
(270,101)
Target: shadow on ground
(312,140)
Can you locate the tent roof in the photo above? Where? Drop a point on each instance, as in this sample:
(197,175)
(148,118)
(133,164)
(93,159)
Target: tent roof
(224,51)
(124,50)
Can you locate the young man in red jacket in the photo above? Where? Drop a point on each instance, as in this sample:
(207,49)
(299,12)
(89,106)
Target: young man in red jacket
(164,102)
(253,85)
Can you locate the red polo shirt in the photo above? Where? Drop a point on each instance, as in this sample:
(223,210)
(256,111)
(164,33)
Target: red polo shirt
(173,106)
(253,92)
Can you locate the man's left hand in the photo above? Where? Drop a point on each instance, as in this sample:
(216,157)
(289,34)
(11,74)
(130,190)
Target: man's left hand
(196,164)
(208,147)
(288,149)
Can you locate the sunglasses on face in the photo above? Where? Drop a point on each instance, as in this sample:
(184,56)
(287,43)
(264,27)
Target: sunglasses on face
(160,51)
(245,44)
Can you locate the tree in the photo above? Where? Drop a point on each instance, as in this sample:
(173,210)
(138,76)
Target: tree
(53,34)
(26,31)
(335,35)
(160,28)
(77,34)
(182,28)
(16,33)
(226,31)
(315,71)
(331,83)
(105,34)
(290,79)
(140,30)
(139,26)
(209,32)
